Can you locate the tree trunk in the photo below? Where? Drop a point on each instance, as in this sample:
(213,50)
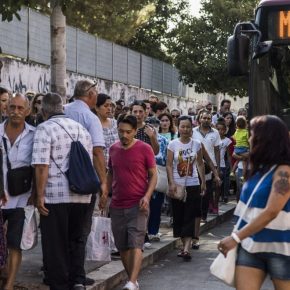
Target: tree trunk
(58,50)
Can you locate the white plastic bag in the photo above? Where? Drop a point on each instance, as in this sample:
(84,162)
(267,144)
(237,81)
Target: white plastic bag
(30,230)
(224,268)
(162,181)
(99,240)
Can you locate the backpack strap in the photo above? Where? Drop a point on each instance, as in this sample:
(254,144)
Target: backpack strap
(72,140)
(67,131)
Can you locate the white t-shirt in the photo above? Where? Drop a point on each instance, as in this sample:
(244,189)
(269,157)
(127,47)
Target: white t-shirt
(210,140)
(223,148)
(184,153)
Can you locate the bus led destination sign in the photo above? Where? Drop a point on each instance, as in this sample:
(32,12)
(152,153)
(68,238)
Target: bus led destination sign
(278,26)
(284,24)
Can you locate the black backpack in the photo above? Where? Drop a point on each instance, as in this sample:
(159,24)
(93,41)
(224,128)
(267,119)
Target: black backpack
(81,174)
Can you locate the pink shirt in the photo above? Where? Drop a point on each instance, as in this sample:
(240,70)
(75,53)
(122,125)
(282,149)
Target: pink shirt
(130,173)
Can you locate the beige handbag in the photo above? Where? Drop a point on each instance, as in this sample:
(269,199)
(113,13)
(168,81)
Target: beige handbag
(162,181)
(180,192)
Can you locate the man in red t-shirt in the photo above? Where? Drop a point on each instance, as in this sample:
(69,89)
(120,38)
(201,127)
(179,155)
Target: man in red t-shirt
(132,175)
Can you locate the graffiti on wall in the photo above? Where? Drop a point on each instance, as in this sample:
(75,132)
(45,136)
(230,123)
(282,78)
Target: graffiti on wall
(20,77)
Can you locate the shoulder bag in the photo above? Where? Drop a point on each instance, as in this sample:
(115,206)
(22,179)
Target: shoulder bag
(224,268)
(162,180)
(18,179)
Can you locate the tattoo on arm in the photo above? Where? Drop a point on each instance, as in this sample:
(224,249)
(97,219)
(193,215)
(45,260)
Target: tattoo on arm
(282,185)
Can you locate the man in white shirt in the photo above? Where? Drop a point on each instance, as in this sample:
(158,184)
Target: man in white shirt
(17,141)
(211,141)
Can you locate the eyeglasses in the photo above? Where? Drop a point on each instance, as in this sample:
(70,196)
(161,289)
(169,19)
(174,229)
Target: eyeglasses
(175,116)
(38,102)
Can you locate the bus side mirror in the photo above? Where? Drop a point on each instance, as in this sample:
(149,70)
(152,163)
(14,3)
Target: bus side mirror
(238,54)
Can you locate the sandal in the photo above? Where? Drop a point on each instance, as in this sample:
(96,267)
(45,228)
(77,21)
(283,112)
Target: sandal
(180,254)
(186,256)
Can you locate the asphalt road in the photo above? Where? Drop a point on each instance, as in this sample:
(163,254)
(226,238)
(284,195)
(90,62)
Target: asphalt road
(171,272)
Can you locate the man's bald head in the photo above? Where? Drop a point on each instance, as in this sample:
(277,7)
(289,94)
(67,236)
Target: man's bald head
(20,96)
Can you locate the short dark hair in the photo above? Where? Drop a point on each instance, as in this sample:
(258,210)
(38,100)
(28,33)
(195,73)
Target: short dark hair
(101,100)
(3,91)
(184,118)
(120,102)
(221,121)
(225,101)
(268,132)
(158,106)
(127,119)
(241,122)
(138,103)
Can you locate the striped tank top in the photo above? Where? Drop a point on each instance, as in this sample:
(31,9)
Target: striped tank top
(275,237)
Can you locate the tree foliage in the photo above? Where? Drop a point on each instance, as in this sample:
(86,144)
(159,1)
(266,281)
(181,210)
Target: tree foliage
(151,38)
(114,20)
(142,25)
(199,46)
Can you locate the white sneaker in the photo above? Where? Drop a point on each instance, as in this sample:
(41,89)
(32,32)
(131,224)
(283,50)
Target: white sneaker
(147,245)
(154,238)
(131,286)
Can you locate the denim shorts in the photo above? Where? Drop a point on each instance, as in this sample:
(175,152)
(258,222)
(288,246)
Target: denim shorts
(276,265)
(241,150)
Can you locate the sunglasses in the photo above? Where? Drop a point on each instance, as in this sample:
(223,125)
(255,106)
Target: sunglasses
(91,86)
(38,102)
(175,116)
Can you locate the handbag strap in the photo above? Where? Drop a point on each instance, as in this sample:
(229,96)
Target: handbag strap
(187,166)
(252,195)
(6,150)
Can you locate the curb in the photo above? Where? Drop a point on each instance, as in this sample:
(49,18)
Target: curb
(113,273)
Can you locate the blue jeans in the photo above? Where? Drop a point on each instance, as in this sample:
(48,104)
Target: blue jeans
(156,202)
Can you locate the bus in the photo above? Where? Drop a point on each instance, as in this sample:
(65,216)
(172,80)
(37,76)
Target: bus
(260,49)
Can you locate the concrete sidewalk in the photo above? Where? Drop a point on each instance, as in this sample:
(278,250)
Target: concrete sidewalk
(109,275)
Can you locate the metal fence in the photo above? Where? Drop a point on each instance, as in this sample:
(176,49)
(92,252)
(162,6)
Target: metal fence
(87,54)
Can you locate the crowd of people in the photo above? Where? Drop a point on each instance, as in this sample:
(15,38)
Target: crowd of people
(200,152)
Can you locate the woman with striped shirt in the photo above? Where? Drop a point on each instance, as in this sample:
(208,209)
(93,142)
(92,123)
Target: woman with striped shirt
(264,233)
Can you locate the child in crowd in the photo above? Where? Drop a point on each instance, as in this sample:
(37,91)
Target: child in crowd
(242,146)
(225,163)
